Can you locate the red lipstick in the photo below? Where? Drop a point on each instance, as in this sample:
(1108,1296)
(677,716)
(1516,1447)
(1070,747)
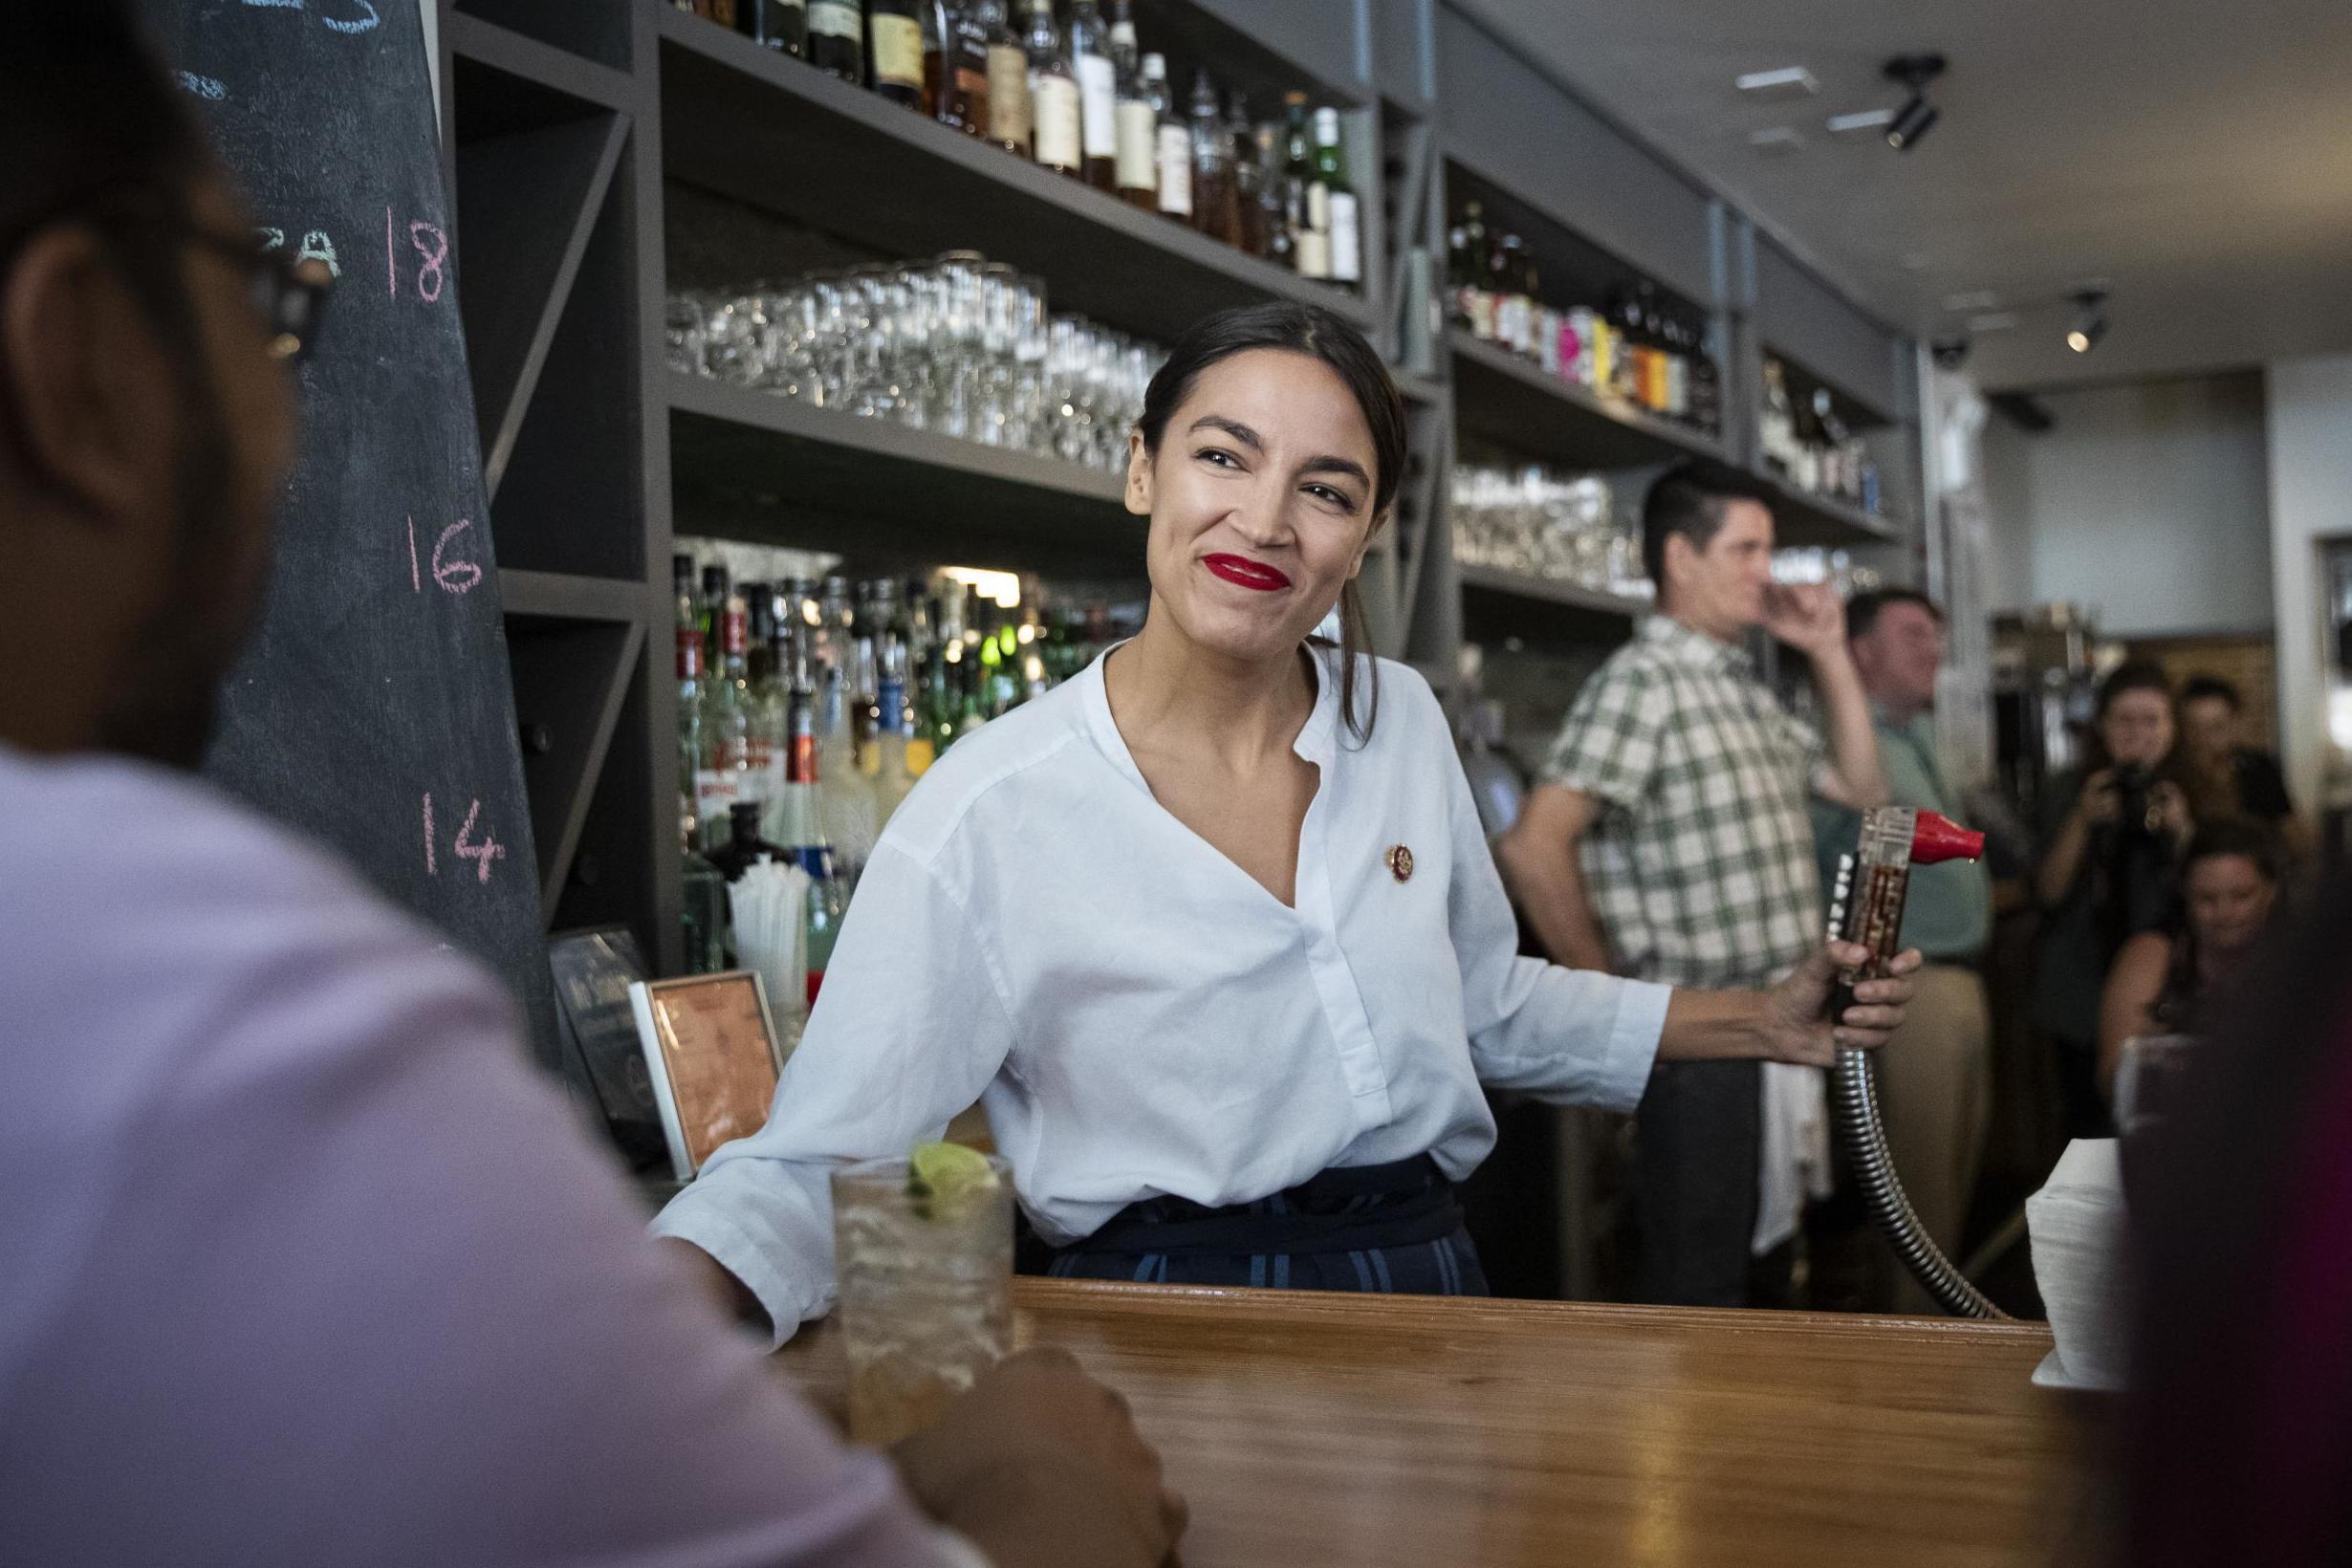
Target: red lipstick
(1244,573)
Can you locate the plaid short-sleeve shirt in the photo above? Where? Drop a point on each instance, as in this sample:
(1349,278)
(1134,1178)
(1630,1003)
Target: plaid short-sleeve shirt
(1701,864)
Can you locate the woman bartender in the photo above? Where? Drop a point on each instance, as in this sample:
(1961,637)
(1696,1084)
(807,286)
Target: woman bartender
(1211,931)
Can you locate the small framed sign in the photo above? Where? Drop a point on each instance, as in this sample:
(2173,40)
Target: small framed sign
(710,1050)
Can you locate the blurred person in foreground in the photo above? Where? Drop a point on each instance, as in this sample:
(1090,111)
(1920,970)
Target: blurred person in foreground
(2112,838)
(303,1266)
(2163,979)
(1671,840)
(2238,1434)
(1935,1074)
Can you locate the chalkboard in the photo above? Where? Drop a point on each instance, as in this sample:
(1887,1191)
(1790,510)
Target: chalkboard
(375,710)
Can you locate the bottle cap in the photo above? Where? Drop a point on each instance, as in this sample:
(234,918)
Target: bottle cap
(1938,839)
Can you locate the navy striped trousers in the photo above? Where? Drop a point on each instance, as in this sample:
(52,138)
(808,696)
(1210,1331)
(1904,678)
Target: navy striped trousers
(1387,1229)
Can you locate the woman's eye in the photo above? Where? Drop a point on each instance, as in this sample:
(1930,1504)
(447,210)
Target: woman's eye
(1324,492)
(1219,456)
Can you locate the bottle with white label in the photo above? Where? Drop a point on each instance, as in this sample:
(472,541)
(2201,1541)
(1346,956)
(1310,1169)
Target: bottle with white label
(836,38)
(1139,122)
(894,46)
(1053,94)
(1008,79)
(1098,80)
(1343,213)
(1175,143)
(1313,237)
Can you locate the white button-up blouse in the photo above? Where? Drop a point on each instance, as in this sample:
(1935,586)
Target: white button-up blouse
(1139,1015)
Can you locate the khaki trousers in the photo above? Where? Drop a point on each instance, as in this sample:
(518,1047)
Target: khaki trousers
(1935,1091)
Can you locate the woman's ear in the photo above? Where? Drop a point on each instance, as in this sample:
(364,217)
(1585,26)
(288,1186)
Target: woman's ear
(1138,475)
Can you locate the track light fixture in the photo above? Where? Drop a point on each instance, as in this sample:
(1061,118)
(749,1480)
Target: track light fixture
(1917,117)
(2090,320)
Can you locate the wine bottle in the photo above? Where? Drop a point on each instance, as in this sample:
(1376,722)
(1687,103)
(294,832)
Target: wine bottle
(836,38)
(894,48)
(1053,94)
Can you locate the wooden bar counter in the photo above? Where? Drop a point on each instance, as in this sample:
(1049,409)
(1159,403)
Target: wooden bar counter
(1309,1429)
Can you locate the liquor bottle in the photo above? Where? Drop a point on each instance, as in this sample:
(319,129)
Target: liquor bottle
(721,11)
(781,25)
(1213,165)
(725,741)
(836,38)
(955,65)
(1475,300)
(763,697)
(1139,116)
(1313,257)
(1345,212)
(1053,95)
(713,602)
(1776,433)
(1008,73)
(939,698)
(1248,178)
(972,711)
(1175,143)
(743,847)
(1706,406)
(690,666)
(1278,225)
(1098,79)
(843,805)
(894,50)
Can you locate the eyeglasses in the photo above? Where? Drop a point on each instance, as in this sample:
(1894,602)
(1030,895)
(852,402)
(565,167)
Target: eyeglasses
(289,293)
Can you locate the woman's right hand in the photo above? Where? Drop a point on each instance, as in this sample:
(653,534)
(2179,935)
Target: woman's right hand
(1041,1467)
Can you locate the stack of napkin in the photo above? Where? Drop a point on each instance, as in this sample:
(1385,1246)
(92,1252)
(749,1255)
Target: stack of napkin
(2077,1224)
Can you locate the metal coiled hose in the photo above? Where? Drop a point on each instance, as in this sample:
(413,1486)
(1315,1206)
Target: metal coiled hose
(1855,1097)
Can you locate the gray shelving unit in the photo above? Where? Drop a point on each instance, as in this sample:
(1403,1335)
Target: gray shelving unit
(597,148)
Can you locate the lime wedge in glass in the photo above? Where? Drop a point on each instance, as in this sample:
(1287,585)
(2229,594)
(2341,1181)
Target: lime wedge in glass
(948,1175)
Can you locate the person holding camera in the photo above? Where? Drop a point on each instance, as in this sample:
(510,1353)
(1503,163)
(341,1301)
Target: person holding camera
(2110,869)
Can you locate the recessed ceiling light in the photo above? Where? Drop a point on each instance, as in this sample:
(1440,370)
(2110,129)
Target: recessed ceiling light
(1854,125)
(1994,321)
(1917,261)
(1779,139)
(1786,82)
(1976,299)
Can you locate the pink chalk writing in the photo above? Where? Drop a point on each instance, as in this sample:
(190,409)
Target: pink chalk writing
(482,854)
(436,255)
(431,258)
(456,577)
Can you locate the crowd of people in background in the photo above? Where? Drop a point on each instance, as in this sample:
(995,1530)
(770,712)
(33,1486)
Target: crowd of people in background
(1684,826)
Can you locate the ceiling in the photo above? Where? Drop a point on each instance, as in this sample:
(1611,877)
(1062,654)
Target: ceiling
(2197,156)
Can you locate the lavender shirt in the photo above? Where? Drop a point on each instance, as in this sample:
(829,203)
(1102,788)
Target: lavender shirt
(299,1264)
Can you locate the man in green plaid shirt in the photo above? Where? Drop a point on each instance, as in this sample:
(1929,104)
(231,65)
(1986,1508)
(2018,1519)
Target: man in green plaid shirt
(1671,840)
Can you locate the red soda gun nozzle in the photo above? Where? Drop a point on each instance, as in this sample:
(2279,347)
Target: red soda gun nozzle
(1939,838)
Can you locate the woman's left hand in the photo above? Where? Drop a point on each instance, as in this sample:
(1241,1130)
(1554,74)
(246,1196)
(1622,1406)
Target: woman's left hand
(1795,1030)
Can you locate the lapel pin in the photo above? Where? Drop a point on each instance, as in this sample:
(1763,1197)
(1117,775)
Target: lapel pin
(1399,863)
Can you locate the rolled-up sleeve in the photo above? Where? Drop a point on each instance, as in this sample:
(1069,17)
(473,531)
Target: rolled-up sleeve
(910,1027)
(1571,1036)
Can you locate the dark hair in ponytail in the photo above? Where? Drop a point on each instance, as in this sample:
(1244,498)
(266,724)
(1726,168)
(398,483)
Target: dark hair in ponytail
(1320,335)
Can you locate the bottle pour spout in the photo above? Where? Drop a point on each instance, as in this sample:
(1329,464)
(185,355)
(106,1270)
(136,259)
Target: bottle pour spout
(1938,839)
